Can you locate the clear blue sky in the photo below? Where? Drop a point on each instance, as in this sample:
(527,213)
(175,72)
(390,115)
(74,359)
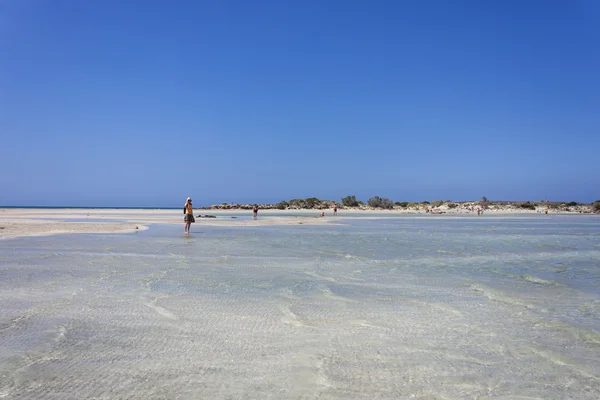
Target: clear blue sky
(142,103)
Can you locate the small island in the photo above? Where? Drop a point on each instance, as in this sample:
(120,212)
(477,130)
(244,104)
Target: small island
(350,203)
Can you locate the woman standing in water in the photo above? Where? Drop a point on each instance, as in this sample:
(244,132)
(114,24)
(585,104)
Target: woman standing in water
(188,210)
(255,211)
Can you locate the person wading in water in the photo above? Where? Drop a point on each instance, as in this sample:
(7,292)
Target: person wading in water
(188,210)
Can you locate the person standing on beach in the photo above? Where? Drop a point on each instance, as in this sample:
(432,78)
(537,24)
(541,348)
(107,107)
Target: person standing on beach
(255,211)
(188,210)
(335,209)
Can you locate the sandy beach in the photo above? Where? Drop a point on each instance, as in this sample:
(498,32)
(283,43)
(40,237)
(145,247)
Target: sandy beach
(23,222)
(21,227)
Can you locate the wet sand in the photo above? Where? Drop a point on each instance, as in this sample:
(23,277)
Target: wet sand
(44,222)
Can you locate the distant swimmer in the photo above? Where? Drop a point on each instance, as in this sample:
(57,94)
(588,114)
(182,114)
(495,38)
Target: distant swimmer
(188,210)
(255,211)
(322,214)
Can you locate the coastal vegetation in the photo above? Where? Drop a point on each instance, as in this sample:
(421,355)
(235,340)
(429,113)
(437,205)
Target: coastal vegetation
(383,203)
(378,202)
(350,201)
(527,205)
(484,203)
(309,203)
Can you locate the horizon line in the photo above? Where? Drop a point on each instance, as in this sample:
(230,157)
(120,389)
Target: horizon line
(274,203)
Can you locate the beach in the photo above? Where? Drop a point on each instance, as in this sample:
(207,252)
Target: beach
(372,306)
(23,222)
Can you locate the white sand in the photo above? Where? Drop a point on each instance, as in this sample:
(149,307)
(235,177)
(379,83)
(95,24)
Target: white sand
(44,222)
(11,228)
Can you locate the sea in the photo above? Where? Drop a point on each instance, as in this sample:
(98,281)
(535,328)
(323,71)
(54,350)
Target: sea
(403,307)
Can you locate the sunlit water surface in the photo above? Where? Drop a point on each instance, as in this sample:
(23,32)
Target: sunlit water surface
(413,307)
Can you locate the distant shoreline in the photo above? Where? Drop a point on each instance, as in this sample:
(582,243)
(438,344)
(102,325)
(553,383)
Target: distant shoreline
(324,205)
(85,208)
(581,209)
(350,203)
(158,214)
(435,207)
(23,222)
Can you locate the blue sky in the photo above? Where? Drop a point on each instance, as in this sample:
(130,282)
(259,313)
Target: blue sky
(131,103)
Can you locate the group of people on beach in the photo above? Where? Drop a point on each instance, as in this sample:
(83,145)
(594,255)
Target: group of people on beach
(189,219)
(335,208)
(189,213)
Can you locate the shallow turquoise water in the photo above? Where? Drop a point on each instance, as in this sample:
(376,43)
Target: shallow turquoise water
(405,307)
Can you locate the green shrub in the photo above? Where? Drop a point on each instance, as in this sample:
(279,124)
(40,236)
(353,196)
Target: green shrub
(297,203)
(596,206)
(380,202)
(527,206)
(311,202)
(402,204)
(282,205)
(484,203)
(425,202)
(452,205)
(350,201)
(437,203)
(571,204)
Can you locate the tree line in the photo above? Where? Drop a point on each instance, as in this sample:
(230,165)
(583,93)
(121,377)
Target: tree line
(387,204)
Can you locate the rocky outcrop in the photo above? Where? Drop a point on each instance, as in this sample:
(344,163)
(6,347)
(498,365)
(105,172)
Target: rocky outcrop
(437,207)
(236,206)
(295,204)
